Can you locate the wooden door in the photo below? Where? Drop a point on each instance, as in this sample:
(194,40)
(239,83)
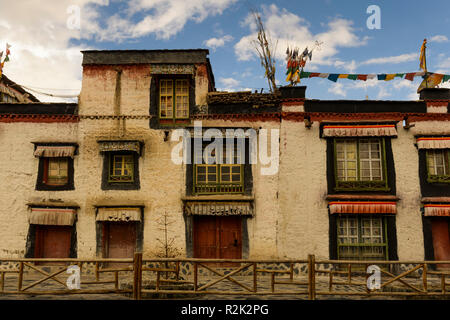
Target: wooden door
(119,240)
(53,242)
(441,240)
(218,237)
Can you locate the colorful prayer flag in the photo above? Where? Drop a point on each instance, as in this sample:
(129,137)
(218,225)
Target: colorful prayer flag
(362,77)
(410,76)
(333,77)
(352,76)
(431,81)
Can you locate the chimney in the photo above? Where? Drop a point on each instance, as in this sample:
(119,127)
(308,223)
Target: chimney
(293,98)
(437,99)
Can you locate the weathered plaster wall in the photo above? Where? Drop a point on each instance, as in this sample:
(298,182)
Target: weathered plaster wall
(303,220)
(18,178)
(408,218)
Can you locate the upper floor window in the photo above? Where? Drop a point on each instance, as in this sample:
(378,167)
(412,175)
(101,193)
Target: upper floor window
(438,167)
(222,172)
(55,166)
(360,164)
(174,99)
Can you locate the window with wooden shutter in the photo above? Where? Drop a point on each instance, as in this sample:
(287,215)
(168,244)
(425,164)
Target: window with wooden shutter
(174,99)
(438,165)
(360,164)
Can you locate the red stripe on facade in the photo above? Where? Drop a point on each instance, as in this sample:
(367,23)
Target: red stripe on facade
(39,118)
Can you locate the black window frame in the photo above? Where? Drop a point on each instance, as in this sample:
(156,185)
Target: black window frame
(119,185)
(41,185)
(160,123)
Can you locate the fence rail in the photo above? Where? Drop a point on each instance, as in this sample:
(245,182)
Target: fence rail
(304,279)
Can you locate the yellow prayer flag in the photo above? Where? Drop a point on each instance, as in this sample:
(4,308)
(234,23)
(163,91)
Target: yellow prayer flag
(422,59)
(390,76)
(343,76)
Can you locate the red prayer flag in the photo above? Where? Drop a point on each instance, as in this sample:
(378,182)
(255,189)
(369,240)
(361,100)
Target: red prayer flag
(410,76)
(362,77)
(314,74)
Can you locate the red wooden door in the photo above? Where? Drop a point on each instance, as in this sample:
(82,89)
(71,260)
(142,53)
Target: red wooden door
(119,239)
(218,237)
(53,241)
(441,240)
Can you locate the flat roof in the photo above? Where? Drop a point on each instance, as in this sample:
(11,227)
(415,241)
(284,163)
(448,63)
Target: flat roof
(116,57)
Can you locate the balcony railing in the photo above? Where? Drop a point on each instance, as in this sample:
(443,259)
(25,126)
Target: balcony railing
(211,188)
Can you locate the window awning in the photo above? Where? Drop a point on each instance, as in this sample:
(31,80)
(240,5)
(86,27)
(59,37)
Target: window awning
(437,210)
(219,208)
(119,214)
(433,143)
(108,146)
(383,207)
(52,216)
(54,151)
(363,130)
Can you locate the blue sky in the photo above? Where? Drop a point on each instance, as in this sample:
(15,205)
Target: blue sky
(45,53)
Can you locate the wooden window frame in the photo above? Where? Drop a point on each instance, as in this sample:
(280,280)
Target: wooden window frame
(112,168)
(47,176)
(435,178)
(358,184)
(220,186)
(360,243)
(108,184)
(42,176)
(174,96)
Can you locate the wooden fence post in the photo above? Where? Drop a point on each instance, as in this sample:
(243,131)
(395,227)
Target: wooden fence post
(311,277)
(137,275)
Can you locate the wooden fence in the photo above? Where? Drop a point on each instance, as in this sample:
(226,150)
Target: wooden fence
(303,279)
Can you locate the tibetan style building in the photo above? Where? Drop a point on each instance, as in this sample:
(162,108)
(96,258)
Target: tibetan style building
(341,179)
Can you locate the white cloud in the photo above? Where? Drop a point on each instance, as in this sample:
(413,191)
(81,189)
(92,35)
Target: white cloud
(229,82)
(392,59)
(215,43)
(383,93)
(338,89)
(438,38)
(444,64)
(163,18)
(286,28)
(231,85)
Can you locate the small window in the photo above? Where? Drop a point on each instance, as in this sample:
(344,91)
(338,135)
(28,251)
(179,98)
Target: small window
(438,165)
(362,238)
(121,168)
(120,171)
(360,164)
(57,171)
(174,99)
